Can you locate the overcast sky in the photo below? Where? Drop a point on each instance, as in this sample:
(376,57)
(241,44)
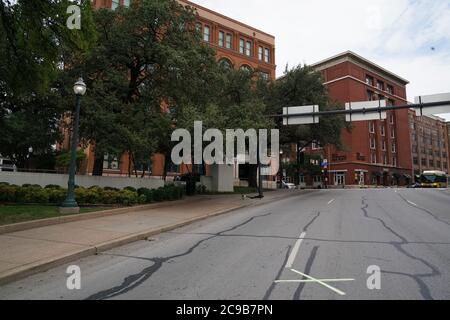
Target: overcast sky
(408,37)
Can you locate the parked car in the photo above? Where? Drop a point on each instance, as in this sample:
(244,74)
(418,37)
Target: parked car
(287,185)
(414,185)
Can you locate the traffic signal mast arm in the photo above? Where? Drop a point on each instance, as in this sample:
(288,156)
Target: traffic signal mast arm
(419,106)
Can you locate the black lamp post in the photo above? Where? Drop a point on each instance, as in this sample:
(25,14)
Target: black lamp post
(70,205)
(30,152)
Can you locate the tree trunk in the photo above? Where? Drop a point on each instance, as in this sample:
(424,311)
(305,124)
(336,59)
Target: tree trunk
(98,164)
(253,175)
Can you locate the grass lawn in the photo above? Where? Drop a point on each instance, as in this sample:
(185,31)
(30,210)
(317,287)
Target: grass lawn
(21,213)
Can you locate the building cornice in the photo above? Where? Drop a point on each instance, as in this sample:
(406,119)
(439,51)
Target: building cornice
(356,59)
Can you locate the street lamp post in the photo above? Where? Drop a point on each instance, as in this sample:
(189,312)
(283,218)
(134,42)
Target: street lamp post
(30,152)
(70,205)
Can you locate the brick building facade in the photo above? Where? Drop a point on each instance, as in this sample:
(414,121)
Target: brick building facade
(376,152)
(429,143)
(238,46)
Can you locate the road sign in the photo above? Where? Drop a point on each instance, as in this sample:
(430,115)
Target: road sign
(287,121)
(430,99)
(325,163)
(373,115)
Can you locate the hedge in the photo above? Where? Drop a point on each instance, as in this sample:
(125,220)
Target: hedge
(54,194)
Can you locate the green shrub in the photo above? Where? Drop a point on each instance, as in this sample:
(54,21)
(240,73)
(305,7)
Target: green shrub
(56,196)
(52,186)
(109,197)
(4,184)
(127,197)
(130,189)
(35,195)
(8,193)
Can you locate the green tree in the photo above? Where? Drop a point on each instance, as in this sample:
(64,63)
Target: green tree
(33,39)
(303,86)
(146,57)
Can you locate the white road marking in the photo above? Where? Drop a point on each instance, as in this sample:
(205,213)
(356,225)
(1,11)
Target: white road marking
(306,281)
(294,251)
(331,201)
(320,282)
(410,202)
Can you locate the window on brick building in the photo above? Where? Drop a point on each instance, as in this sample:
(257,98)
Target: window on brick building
(110,162)
(370,95)
(380,85)
(383,130)
(229,40)
(424,162)
(369,80)
(390,89)
(221,39)
(266,55)
(241,46)
(385,162)
(115,4)
(383,145)
(373,158)
(394,161)
(206,33)
(371,127)
(260,53)
(372,143)
(392,132)
(198,28)
(415,161)
(248,48)
(394,148)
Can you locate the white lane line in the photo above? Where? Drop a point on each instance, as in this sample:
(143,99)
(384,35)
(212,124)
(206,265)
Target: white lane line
(306,281)
(294,251)
(410,202)
(331,201)
(321,282)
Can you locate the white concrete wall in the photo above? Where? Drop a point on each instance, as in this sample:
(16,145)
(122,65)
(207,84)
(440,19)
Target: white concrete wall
(222,178)
(43,179)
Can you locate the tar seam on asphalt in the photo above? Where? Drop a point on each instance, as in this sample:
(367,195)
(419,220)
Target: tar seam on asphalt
(308,266)
(272,286)
(424,210)
(424,290)
(133,281)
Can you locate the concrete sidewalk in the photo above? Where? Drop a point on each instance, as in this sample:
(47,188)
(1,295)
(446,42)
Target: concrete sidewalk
(35,250)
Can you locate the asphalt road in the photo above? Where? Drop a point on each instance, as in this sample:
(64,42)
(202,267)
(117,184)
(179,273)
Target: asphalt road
(326,239)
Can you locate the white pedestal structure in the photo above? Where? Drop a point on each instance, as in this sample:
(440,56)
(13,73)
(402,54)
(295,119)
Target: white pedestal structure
(221,179)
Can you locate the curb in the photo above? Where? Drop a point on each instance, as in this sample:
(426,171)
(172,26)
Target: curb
(46,264)
(8,228)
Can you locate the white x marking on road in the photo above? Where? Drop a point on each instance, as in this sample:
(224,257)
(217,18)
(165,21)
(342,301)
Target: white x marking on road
(323,282)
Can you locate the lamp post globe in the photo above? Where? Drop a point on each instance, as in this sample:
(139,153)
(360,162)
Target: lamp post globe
(79,87)
(70,205)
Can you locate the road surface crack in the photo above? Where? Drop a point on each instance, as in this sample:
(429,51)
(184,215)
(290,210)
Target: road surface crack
(424,289)
(133,281)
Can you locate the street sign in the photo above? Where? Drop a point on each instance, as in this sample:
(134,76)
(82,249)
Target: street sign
(287,121)
(430,99)
(373,115)
(325,163)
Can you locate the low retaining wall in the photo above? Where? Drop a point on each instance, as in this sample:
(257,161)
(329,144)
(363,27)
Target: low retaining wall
(43,179)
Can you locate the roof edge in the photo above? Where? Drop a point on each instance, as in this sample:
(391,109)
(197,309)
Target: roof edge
(355,56)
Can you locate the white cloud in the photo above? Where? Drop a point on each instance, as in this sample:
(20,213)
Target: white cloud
(398,35)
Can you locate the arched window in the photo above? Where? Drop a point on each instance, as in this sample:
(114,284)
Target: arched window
(225,64)
(246,68)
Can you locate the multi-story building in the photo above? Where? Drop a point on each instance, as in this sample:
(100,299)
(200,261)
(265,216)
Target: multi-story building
(429,143)
(376,152)
(238,46)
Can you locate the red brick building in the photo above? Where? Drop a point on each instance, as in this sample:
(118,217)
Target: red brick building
(376,152)
(238,46)
(429,143)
